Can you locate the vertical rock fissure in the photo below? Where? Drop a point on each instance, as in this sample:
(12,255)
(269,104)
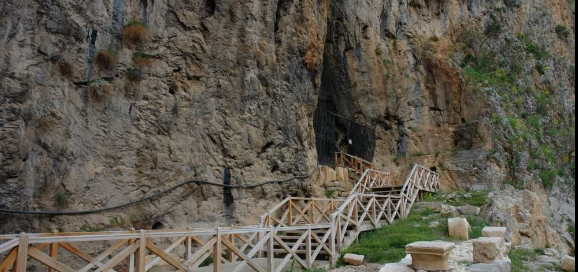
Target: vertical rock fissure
(91,38)
(228,198)
(144,15)
(117,22)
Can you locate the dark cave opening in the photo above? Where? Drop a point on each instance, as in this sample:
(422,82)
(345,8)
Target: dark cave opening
(211,7)
(158,226)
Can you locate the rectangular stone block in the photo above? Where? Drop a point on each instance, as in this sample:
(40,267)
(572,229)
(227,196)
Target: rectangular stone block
(495,232)
(459,228)
(431,256)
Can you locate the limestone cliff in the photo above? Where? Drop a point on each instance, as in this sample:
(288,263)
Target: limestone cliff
(480,90)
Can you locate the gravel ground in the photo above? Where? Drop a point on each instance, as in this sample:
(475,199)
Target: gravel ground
(364,268)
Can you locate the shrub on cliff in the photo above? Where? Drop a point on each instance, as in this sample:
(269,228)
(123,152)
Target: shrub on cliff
(66,69)
(135,33)
(105,59)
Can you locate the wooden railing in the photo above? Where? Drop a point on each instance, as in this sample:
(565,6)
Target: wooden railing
(140,251)
(295,211)
(362,211)
(372,179)
(358,164)
(420,180)
(296,230)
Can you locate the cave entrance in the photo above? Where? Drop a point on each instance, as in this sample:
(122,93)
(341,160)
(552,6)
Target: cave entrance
(335,133)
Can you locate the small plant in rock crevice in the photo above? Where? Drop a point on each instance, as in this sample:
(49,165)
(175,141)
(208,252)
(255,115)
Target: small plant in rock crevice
(563,31)
(143,60)
(60,199)
(134,75)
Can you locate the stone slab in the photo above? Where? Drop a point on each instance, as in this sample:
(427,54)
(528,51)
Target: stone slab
(396,268)
(432,248)
(353,259)
(495,232)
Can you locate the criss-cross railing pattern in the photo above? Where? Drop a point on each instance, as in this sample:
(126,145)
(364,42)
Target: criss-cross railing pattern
(359,165)
(230,249)
(297,230)
(372,179)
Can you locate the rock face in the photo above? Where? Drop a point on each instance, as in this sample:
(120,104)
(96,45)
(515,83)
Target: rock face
(528,219)
(219,85)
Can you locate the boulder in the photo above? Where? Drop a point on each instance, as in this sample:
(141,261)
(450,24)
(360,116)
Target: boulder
(469,210)
(459,228)
(568,263)
(449,212)
(495,232)
(352,259)
(396,268)
(431,256)
(489,249)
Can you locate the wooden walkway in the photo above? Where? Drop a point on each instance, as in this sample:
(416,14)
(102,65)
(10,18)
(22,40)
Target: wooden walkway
(305,232)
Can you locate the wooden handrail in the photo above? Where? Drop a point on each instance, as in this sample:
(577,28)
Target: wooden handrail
(322,226)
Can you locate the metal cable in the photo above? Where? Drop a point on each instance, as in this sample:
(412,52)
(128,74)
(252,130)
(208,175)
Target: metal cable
(198,182)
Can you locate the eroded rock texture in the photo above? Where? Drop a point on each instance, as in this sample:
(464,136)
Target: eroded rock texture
(234,84)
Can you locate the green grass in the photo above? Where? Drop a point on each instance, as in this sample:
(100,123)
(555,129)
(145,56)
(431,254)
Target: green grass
(477,199)
(519,256)
(388,244)
(329,193)
(478,224)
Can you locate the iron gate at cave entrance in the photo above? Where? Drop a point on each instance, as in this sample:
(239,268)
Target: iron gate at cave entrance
(335,133)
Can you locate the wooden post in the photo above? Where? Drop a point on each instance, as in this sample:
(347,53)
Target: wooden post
(312,211)
(231,253)
(22,259)
(189,247)
(309,249)
(260,237)
(141,253)
(271,250)
(333,253)
(217,252)
(338,232)
(290,211)
(53,250)
(131,258)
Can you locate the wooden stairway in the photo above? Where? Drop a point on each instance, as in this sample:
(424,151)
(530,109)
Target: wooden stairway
(309,232)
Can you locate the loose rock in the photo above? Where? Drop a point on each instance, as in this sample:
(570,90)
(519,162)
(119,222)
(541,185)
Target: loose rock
(488,250)
(353,259)
(568,263)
